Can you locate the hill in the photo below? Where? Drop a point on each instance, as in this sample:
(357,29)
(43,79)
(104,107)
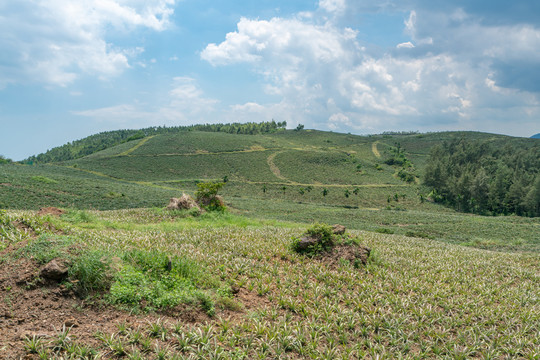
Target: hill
(107,139)
(365,182)
(536,136)
(140,281)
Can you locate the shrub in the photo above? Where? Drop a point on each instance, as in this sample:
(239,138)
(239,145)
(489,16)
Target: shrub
(207,196)
(320,237)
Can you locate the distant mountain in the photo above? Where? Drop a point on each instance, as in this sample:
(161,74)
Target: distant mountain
(537,136)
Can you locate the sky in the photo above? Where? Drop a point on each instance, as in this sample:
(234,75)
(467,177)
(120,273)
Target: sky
(69,69)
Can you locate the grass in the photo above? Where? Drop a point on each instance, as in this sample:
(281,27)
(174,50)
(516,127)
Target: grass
(305,176)
(503,233)
(416,298)
(422,294)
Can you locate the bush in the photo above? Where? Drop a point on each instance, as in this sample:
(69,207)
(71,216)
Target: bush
(323,232)
(4,160)
(317,238)
(207,196)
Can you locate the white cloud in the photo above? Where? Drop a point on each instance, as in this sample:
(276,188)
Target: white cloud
(446,74)
(249,107)
(333,6)
(405,45)
(280,40)
(54,41)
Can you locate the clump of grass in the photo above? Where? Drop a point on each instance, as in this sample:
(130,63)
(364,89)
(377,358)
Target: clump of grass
(93,271)
(419,234)
(384,231)
(159,281)
(78,216)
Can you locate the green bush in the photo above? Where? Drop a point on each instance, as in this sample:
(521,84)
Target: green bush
(324,235)
(207,197)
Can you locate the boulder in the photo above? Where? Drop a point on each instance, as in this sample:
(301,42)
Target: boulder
(307,242)
(55,270)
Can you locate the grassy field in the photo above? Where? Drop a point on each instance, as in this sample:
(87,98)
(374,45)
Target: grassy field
(146,283)
(305,176)
(417,298)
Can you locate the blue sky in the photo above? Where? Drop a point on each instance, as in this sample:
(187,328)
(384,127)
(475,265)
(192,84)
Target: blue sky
(69,69)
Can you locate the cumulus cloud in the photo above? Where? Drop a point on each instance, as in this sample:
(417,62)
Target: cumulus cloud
(54,41)
(290,41)
(333,6)
(455,69)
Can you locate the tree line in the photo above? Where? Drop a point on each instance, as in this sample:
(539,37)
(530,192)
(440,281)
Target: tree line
(486,177)
(101,141)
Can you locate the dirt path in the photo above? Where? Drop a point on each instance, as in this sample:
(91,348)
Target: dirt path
(375,150)
(197,153)
(274,168)
(138,145)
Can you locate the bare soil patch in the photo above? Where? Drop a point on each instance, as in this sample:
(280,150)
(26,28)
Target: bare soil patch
(50,211)
(355,254)
(33,305)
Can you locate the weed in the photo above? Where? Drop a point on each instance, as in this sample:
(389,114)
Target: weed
(33,345)
(62,339)
(92,269)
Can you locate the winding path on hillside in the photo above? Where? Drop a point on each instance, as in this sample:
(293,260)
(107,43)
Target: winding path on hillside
(375,150)
(274,168)
(138,145)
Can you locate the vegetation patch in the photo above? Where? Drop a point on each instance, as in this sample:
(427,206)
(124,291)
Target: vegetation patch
(207,196)
(332,245)
(44,179)
(147,280)
(152,280)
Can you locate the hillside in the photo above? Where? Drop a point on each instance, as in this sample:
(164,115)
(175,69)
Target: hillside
(303,176)
(113,274)
(234,289)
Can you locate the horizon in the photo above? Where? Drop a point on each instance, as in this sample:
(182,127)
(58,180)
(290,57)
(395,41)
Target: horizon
(71,70)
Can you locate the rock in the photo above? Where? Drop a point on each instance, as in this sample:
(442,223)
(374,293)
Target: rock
(338,229)
(71,322)
(54,270)
(307,242)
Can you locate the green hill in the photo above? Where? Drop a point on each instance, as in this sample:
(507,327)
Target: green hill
(365,182)
(220,285)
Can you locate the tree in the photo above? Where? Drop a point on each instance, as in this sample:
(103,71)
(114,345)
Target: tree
(532,199)
(4,160)
(299,127)
(324,191)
